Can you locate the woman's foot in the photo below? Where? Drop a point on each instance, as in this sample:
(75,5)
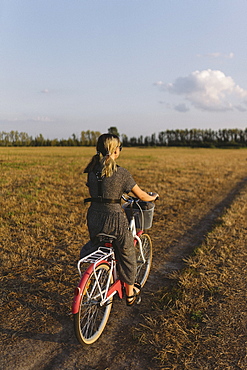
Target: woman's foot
(130,300)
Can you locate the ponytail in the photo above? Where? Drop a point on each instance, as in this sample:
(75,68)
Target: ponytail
(109,166)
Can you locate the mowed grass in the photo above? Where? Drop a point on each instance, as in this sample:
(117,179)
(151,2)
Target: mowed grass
(42,228)
(198,320)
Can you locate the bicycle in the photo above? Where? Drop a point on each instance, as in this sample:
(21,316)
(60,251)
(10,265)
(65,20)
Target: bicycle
(93,297)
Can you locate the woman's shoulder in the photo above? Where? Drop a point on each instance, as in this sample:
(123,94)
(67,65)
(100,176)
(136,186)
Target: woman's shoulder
(125,174)
(122,170)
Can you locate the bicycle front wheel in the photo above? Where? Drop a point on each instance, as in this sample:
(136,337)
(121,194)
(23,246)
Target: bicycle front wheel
(91,318)
(144,259)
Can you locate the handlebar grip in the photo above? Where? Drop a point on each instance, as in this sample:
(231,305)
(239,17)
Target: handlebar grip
(152,194)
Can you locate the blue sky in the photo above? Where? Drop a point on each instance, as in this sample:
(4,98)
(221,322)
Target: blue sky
(143,66)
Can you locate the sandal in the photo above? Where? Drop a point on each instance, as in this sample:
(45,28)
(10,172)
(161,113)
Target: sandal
(131,299)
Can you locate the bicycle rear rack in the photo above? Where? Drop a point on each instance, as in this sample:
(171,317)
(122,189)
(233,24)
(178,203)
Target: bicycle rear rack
(102,253)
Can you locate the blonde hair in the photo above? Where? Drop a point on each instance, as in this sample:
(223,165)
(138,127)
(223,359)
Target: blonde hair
(106,146)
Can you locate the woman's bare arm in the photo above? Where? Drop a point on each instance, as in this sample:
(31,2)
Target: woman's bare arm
(139,193)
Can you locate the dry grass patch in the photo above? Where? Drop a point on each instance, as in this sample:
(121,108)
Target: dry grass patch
(200,320)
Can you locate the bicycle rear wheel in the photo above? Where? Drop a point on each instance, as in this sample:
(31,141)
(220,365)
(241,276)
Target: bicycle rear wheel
(143,267)
(91,318)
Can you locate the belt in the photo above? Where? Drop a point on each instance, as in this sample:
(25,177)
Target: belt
(102,200)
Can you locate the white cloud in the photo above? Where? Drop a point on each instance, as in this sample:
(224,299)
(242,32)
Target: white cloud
(217,55)
(181,108)
(159,83)
(209,90)
(41,119)
(23,119)
(240,108)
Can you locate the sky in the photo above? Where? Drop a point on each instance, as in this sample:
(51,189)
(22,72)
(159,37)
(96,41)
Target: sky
(143,66)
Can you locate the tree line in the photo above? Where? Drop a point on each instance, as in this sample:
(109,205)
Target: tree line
(234,138)
(193,138)
(15,138)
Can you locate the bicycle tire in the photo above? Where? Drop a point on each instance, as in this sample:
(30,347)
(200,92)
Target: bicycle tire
(143,268)
(91,318)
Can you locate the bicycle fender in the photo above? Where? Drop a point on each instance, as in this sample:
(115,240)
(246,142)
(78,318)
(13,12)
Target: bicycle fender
(80,287)
(138,234)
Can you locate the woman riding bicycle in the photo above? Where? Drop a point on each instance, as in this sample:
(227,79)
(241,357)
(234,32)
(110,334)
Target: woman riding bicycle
(107,182)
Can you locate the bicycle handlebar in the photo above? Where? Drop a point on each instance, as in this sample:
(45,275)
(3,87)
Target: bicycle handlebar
(151,193)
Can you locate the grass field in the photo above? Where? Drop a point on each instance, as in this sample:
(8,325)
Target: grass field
(198,320)
(42,227)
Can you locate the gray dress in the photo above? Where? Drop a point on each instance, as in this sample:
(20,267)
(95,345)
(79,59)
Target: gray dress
(111,219)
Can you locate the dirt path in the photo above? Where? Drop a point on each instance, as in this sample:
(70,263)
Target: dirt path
(118,348)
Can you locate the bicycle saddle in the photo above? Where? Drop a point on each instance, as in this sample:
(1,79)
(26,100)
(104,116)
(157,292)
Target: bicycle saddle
(106,238)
